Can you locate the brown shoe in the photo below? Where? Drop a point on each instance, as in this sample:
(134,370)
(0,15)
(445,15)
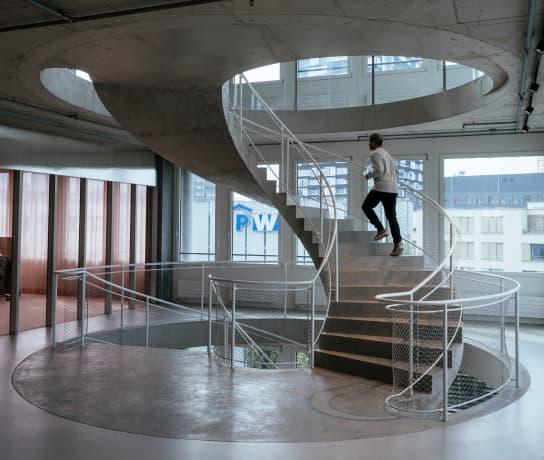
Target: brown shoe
(397,250)
(381,234)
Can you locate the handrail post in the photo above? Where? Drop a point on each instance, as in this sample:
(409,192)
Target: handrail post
(336,274)
(282,161)
(451,264)
(210,300)
(321,206)
(285,291)
(411,347)
(445,364)
(240,105)
(83,290)
(202,287)
(54,310)
(516,312)
(233,342)
(147,321)
(503,332)
(312,328)
(122,293)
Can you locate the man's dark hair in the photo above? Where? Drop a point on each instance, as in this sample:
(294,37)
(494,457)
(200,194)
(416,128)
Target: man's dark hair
(376,138)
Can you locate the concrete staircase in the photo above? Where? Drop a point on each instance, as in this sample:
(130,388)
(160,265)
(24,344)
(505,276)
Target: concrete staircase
(358,335)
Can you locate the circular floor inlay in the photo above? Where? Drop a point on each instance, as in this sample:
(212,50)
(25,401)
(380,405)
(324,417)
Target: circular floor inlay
(186,394)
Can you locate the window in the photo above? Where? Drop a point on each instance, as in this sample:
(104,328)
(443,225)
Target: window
(466,250)
(394,63)
(537,252)
(535,224)
(255,229)
(492,224)
(464,224)
(492,251)
(322,67)
(336,173)
(197,218)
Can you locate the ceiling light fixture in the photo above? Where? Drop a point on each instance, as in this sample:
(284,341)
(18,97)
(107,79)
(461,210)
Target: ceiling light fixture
(529,109)
(534,87)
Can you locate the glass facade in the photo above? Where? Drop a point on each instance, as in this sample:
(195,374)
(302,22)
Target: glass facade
(255,230)
(500,215)
(323,67)
(197,218)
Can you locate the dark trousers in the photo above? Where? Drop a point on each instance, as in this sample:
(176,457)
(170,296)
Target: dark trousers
(389,202)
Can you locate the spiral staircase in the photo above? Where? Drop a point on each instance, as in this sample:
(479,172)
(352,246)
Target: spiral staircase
(357,336)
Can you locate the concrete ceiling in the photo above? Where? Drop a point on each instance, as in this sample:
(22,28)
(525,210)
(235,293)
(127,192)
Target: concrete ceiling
(159,73)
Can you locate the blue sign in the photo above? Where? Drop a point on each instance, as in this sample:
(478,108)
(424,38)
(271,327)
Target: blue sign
(258,222)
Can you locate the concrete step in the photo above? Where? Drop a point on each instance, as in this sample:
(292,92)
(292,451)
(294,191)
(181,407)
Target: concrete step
(353,236)
(388,275)
(430,329)
(369,292)
(370,248)
(426,351)
(369,367)
(360,308)
(348,262)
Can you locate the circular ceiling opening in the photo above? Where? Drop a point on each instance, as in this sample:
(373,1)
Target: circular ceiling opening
(354,81)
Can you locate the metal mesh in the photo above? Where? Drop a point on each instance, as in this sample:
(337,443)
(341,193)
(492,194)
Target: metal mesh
(283,343)
(477,355)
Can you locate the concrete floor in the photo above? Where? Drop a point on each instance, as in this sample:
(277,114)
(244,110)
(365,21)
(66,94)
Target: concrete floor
(26,432)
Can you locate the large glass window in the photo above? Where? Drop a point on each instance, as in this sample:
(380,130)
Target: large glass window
(322,67)
(67,244)
(197,218)
(393,63)
(255,229)
(34,241)
(505,197)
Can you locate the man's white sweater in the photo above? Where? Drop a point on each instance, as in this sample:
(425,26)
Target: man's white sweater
(383,171)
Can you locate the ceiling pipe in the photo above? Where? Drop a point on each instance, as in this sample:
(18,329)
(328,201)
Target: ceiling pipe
(529,34)
(102,16)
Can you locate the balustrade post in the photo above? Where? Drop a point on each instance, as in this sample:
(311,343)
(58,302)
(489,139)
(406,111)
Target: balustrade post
(321,216)
(83,291)
(312,328)
(336,273)
(411,347)
(516,313)
(445,364)
(233,342)
(240,107)
(122,293)
(147,321)
(210,300)
(503,332)
(54,310)
(202,288)
(285,291)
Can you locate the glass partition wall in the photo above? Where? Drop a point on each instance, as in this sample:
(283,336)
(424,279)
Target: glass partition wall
(6,199)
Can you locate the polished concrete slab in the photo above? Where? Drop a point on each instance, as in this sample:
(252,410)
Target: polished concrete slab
(188,394)
(27,432)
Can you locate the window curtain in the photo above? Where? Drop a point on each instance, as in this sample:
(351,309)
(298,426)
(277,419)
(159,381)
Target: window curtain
(141,202)
(67,235)
(95,240)
(34,241)
(121,229)
(35,208)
